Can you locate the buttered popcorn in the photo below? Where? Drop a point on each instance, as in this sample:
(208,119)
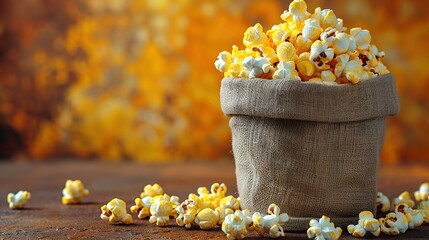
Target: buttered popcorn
(18,200)
(313,47)
(142,204)
(115,212)
(323,229)
(74,192)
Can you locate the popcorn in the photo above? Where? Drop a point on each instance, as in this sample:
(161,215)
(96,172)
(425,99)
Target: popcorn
(343,43)
(321,35)
(311,30)
(404,198)
(18,200)
(394,223)
(286,70)
(383,203)
(328,36)
(321,54)
(362,37)
(208,210)
(218,191)
(328,77)
(271,223)
(223,212)
(379,70)
(74,192)
(255,67)
(268,53)
(326,17)
(340,25)
(187,212)
(161,208)
(116,212)
(230,202)
(423,193)
(142,207)
(143,204)
(367,223)
(424,210)
(255,36)
(323,229)
(353,71)
(152,190)
(342,61)
(207,219)
(223,61)
(297,11)
(305,68)
(414,216)
(286,52)
(374,50)
(236,225)
(279,33)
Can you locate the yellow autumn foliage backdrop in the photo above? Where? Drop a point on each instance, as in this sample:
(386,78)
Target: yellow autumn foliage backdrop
(134,79)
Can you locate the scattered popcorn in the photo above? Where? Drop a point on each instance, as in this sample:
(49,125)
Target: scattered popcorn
(74,192)
(423,193)
(223,212)
(143,204)
(18,200)
(320,35)
(414,216)
(207,209)
(271,223)
(230,202)
(142,207)
(207,219)
(161,208)
(218,191)
(152,190)
(116,212)
(236,225)
(383,203)
(424,210)
(367,223)
(394,223)
(187,212)
(404,198)
(323,229)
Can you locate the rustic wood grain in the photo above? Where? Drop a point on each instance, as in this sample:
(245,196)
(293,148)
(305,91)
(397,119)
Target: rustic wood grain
(46,218)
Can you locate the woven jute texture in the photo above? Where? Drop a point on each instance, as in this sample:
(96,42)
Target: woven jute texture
(312,149)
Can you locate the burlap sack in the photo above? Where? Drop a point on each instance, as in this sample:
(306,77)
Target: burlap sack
(312,149)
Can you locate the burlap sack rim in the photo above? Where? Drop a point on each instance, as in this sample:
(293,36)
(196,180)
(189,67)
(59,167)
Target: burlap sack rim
(286,99)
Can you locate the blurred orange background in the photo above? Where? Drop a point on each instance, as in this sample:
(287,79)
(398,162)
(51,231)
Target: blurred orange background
(134,79)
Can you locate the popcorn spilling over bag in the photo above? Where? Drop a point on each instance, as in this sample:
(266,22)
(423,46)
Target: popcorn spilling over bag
(308,101)
(311,148)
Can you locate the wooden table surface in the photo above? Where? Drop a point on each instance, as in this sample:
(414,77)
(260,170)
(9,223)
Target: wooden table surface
(46,218)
